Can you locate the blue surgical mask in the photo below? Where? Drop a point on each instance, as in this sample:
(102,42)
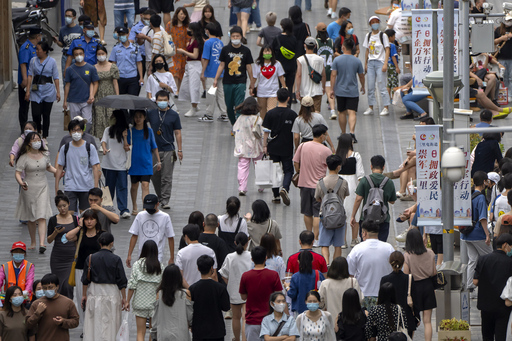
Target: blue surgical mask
(17,301)
(90,33)
(18,257)
(39,293)
(123,39)
(350,31)
(312,306)
(49,293)
(81,26)
(146,22)
(509,253)
(162,104)
(116,36)
(375,27)
(69,20)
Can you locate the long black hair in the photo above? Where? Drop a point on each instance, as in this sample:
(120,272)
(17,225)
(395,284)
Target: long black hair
(61,197)
(338,269)
(197,34)
(387,297)
(345,144)
(26,144)
(305,262)
(150,253)
(144,124)
(186,21)
(241,240)
(273,298)
(414,242)
(153,67)
(7,302)
(232,206)
(268,242)
(203,21)
(295,13)
(343,28)
(260,211)
(119,126)
(261,61)
(351,307)
(197,218)
(172,281)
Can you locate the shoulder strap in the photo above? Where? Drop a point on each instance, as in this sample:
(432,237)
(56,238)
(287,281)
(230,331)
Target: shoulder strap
(337,187)
(279,327)
(352,282)
(409,288)
(381,36)
(238,225)
(269,225)
(66,149)
(307,61)
(317,278)
(89,269)
(78,245)
(384,182)
(322,186)
(370,182)
(27,268)
(154,76)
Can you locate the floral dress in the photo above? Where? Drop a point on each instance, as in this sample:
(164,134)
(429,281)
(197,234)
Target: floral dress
(180,39)
(101,115)
(145,286)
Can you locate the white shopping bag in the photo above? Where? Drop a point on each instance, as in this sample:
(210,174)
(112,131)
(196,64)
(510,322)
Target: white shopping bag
(277,174)
(397,99)
(124,332)
(264,173)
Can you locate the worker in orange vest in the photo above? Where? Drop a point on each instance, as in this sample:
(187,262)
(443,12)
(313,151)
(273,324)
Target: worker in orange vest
(18,271)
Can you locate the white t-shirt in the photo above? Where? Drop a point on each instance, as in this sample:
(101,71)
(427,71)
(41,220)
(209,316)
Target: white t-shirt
(232,269)
(501,206)
(157,227)
(147,30)
(368,262)
(186,260)
(375,49)
(229,225)
(268,78)
(400,24)
(153,87)
(307,86)
(115,159)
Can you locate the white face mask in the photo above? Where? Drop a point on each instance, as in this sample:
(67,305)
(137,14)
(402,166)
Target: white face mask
(36,145)
(28,131)
(235,41)
(76,136)
(279,307)
(102,58)
(508,23)
(79,59)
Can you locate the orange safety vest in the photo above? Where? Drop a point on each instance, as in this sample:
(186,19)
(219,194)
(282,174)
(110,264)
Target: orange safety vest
(10,275)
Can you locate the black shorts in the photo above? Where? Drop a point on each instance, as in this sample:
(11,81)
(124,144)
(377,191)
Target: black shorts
(423,294)
(347,103)
(162,6)
(308,204)
(140,178)
(436,241)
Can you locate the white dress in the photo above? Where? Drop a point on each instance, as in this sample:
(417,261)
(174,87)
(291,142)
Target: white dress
(507,294)
(352,174)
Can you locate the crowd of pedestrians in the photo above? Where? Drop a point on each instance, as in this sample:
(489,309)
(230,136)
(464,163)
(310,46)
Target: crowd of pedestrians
(231,265)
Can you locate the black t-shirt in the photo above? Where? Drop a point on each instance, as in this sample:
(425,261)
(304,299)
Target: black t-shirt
(218,245)
(87,247)
(280,121)
(210,299)
(506,50)
(476,10)
(338,42)
(301,31)
(236,61)
(290,43)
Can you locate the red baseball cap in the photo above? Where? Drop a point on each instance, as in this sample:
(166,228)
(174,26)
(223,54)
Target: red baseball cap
(19,245)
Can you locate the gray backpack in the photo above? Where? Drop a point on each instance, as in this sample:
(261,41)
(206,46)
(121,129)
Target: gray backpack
(375,210)
(333,212)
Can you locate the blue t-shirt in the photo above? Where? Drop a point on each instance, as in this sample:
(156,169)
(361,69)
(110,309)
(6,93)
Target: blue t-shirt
(479,212)
(333,30)
(142,160)
(136,29)
(392,53)
(78,176)
(80,78)
(89,49)
(211,51)
(166,122)
(126,58)
(68,34)
(27,52)
(300,285)
(347,67)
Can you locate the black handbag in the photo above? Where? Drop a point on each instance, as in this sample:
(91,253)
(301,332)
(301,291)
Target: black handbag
(313,74)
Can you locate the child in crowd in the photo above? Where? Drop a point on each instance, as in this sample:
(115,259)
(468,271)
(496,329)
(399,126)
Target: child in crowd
(267,35)
(393,68)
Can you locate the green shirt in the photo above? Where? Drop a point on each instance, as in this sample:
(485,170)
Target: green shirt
(389,190)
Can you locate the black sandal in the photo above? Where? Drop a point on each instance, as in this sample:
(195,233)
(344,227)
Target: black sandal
(418,118)
(407,116)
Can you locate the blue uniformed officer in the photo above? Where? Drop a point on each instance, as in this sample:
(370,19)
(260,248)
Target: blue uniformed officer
(27,52)
(86,42)
(136,37)
(128,58)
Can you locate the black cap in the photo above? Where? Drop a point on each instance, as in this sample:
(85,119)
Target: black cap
(142,10)
(35,30)
(122,30)
(150,201)
(88,24)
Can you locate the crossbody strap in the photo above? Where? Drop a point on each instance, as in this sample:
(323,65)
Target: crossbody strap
(279,327)
(79,75)
(269,225)
(79,242)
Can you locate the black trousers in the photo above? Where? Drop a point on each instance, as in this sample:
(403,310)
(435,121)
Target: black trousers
(24,106)
(143,64)
(42,111)
(129,86)
(494,325)
(289,79)
(287,164)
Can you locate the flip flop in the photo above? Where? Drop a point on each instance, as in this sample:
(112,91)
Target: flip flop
(134,212)
(42,249)
(500,116)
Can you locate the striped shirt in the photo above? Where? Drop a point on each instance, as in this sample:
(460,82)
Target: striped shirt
(121,5)
(158,47)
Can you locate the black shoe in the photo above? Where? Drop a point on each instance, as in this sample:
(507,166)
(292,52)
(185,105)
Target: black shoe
(353,138)
(326,4)
(418,118)
(204,94)
(407,116)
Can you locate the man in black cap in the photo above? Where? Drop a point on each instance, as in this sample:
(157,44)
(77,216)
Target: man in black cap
(127,57)
(151,224)
(88,43)
(27,52)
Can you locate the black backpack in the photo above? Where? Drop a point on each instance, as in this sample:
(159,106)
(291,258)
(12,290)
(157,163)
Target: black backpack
(66,149)
(466,230)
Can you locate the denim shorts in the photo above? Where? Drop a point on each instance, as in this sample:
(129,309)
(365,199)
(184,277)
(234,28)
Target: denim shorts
(334,237)
(241,10)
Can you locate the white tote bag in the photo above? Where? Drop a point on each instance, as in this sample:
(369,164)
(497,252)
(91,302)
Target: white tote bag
(264,170)
(277,174)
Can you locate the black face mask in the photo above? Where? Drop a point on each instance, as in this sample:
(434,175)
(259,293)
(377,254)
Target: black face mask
(159,66)
(189,33)
(151,210)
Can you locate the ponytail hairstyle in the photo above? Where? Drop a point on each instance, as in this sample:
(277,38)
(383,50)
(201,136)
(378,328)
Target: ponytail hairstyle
(396,259)
(232,206)
(241,240)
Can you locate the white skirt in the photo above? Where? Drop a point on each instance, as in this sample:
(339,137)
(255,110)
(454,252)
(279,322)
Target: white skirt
(102,312)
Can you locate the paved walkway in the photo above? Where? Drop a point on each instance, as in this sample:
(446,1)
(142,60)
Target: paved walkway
(207,176)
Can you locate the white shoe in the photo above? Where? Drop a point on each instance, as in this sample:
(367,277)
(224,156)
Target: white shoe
(329,12)
(368,111)
(401,237)
(384,112)
(192,112)
(334,15)
(126,215)
(315,243)
(255,29)
(333,115)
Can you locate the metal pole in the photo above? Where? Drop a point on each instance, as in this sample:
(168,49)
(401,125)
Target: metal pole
(446,184)
(464,61)
(435,53)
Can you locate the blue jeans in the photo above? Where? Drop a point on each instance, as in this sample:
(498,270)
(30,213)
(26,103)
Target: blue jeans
(233,20)
(117,182)
(507,77)
(375,75)
(308,4)
(255,15)
(410,100)
(383,231)
(119,17)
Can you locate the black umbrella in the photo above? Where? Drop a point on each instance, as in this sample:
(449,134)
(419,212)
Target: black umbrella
(126,102)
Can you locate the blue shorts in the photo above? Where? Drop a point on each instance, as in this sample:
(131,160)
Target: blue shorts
(241,10)
(335,237)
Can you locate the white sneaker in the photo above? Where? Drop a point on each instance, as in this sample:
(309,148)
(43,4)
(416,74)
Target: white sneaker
(334,15)
(315,243)
(254,28)
(401,237)
(333,115)
(126,215)
(368,111)
(384,112)
(329,12)
(192,112)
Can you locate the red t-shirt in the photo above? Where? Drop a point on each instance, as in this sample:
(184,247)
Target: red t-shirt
(318,262)
(258,285)
(190,48)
